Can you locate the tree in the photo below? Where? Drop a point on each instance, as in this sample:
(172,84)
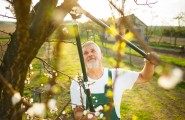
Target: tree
(180,18)
(32,30)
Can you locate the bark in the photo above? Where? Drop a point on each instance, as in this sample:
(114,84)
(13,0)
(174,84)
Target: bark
(32,30)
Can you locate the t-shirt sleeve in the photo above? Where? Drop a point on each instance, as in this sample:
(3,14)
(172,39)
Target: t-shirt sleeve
(122,79)
(125,78)
(77,94)
(131,78)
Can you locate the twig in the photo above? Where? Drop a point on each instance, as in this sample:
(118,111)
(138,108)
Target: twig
(44,62)
(58,117)
(129,25)
(5,32)
(7,16)
(148,4)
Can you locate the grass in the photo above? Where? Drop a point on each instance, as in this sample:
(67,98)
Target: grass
(165,58)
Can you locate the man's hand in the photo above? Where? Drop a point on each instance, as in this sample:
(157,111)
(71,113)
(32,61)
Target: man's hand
(152,58)
(78,114)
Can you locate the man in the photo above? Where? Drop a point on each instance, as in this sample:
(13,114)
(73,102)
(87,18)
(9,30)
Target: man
(98,80)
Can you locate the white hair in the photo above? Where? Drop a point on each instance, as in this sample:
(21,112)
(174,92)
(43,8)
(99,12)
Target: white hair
(89,43)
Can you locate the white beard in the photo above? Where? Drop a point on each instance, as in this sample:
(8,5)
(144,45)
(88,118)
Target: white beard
(93,64)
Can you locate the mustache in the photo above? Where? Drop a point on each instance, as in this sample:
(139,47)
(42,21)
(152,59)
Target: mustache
(91,58)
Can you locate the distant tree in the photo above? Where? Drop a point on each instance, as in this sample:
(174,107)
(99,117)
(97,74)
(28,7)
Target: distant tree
(181,19)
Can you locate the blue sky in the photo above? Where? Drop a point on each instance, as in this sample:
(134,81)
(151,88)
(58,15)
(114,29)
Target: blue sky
(160,13)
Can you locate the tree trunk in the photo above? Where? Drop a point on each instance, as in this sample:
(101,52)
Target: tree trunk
(25,43)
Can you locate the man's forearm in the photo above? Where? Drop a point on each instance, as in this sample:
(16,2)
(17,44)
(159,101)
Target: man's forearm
(148,70)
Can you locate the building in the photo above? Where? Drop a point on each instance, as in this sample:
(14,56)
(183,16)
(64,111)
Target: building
(136,23)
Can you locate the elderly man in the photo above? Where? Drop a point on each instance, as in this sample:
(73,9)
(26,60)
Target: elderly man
(98,78)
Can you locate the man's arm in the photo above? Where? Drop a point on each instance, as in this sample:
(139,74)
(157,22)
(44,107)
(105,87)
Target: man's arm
(147,72)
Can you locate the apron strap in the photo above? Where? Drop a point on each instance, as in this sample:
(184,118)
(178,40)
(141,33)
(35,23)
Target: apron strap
(110,74)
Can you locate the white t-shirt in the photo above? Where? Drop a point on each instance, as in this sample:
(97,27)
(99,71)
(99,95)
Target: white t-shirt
(124,79)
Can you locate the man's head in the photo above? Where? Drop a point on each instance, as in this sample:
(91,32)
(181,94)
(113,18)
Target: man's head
(92,55)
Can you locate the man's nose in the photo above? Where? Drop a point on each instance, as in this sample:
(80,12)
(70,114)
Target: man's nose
(90,54)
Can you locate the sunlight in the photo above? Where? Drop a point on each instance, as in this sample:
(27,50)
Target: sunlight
(98,8)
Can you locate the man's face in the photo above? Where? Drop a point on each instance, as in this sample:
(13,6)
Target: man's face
(92,56)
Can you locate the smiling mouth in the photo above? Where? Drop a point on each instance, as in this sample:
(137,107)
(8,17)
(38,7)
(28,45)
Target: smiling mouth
(91,60)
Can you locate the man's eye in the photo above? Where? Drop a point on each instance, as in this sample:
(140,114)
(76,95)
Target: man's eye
(85,53)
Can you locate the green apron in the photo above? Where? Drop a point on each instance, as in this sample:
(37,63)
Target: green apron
(102,99)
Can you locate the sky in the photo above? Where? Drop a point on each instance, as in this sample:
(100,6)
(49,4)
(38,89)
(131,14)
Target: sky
(160,13)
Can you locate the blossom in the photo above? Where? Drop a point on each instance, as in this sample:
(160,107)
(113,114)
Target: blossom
(129,36)
(38,109)
(64,112)
(85,112)
(99,108)
(171,80)
(89,116)
(31,67)
(112,30)
(106,107)
(101,115)
(109,93)
(97,114)
(52,104)
(16,98)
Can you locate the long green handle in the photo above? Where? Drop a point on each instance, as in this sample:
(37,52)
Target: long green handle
(75,26)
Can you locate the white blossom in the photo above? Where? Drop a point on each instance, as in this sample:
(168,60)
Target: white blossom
(99,108)
(171,80)
(38,109)
(56,74)
(16,98)
(65,30)
(45,74)
(31,100)
(97,114)
(50,76)
(52,104)
(30,112)
(25,81)
(101,115)
(89,116)
(64,112)
(31,67)
(85,112)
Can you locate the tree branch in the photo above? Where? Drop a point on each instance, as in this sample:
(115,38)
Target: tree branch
(147,3)
(7,16)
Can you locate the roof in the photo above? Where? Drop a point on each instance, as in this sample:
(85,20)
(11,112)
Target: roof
(135,20)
